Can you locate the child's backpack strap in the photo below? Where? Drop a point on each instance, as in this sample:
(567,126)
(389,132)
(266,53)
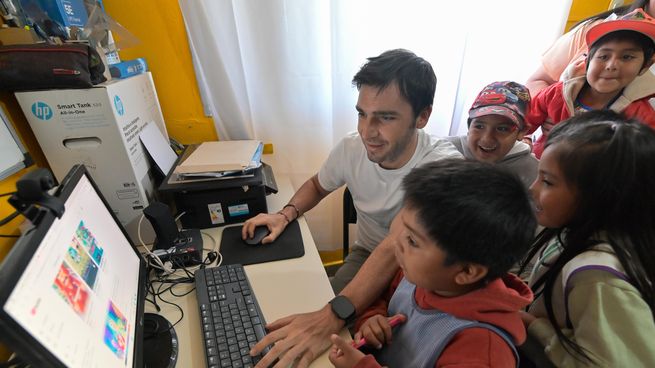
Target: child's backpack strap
(600,257)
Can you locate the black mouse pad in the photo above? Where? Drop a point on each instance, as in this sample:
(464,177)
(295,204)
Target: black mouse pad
(288,245)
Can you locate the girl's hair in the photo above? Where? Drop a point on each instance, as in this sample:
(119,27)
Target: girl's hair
(639,39)
(610,162)
(621,10)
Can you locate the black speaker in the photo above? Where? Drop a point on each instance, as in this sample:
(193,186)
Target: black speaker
(163,223)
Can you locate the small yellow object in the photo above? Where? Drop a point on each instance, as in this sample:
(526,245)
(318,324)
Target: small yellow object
(268,148)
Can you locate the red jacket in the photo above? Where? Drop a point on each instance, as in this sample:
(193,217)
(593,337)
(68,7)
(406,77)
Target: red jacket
(498,303)
(556,103)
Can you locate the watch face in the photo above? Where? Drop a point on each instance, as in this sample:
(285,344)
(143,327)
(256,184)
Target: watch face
(343,308)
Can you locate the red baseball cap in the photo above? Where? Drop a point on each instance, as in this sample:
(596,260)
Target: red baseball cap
(636,20)
(509,99)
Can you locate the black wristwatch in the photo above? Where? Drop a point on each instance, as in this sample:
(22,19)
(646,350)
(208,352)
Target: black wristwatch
(343,308)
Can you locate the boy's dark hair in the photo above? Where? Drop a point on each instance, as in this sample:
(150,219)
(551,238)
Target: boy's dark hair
(476,212)
(641,40)
(414,75)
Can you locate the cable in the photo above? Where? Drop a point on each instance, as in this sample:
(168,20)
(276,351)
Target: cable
(151,289)
(167,283)
(6,220)
(211,237)
(171,326)
(9,236)
(220,256)
(154,303)
(179,308)
(7,194)
(180,215)
(161,289)
(179,265)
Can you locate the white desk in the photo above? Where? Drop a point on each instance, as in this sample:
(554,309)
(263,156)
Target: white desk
(283,287)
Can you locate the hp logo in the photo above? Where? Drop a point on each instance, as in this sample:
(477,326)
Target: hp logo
(41,110)
(118,104)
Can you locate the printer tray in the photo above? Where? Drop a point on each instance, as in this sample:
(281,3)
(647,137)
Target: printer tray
(174,183)
(288,245)
(211,202)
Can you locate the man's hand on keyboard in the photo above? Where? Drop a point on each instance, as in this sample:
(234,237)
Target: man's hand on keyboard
(275,222)
(299,337)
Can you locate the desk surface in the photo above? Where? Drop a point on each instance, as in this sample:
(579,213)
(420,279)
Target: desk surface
(282,287)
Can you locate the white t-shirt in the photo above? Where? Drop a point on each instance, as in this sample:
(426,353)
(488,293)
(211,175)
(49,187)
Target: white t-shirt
(376,191)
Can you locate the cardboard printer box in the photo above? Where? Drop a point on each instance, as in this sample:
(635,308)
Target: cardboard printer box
(99,127)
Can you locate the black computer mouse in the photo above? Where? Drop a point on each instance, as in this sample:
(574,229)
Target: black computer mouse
(260,233)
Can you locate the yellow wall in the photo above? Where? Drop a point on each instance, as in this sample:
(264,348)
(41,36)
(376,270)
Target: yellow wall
(158,24)
(581,9)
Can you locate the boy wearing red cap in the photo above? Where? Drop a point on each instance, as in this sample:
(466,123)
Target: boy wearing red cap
(496,126)
(617,77)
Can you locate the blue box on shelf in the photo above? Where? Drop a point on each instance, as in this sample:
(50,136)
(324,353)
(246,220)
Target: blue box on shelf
(68,13)
(128,68)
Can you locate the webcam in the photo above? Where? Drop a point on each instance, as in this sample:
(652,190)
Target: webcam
(35,184)
(32,198)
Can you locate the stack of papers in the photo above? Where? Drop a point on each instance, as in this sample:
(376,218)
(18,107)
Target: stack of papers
(222,159)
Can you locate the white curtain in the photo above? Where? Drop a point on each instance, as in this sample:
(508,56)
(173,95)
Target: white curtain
(280,70)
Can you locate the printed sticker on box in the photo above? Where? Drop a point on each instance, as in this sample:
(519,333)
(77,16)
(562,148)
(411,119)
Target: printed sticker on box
(238,210)
(127,193)
(215,213)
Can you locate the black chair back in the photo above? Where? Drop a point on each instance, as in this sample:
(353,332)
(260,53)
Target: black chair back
(349,217)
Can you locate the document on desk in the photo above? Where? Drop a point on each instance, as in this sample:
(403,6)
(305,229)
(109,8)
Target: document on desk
(222,156)
(247,173)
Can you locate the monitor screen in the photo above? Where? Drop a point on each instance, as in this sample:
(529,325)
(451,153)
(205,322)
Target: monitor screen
(72,288)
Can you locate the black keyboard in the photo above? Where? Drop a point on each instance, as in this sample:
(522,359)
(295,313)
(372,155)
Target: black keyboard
(231,319)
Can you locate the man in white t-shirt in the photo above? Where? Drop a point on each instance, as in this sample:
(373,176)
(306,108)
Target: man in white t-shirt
(396,91)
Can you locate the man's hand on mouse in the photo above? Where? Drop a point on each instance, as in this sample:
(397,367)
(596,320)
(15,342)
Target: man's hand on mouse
(260,233)
(276,223)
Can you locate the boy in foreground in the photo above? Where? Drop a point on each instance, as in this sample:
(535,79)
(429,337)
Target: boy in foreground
(463,225)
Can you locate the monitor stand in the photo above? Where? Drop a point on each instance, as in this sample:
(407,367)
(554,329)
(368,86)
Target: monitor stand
(160,346)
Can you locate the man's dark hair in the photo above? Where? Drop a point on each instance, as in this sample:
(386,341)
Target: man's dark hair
(476,212)
(414,75)
(645,43)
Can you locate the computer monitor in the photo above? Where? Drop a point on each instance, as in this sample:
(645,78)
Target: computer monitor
(72,289)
